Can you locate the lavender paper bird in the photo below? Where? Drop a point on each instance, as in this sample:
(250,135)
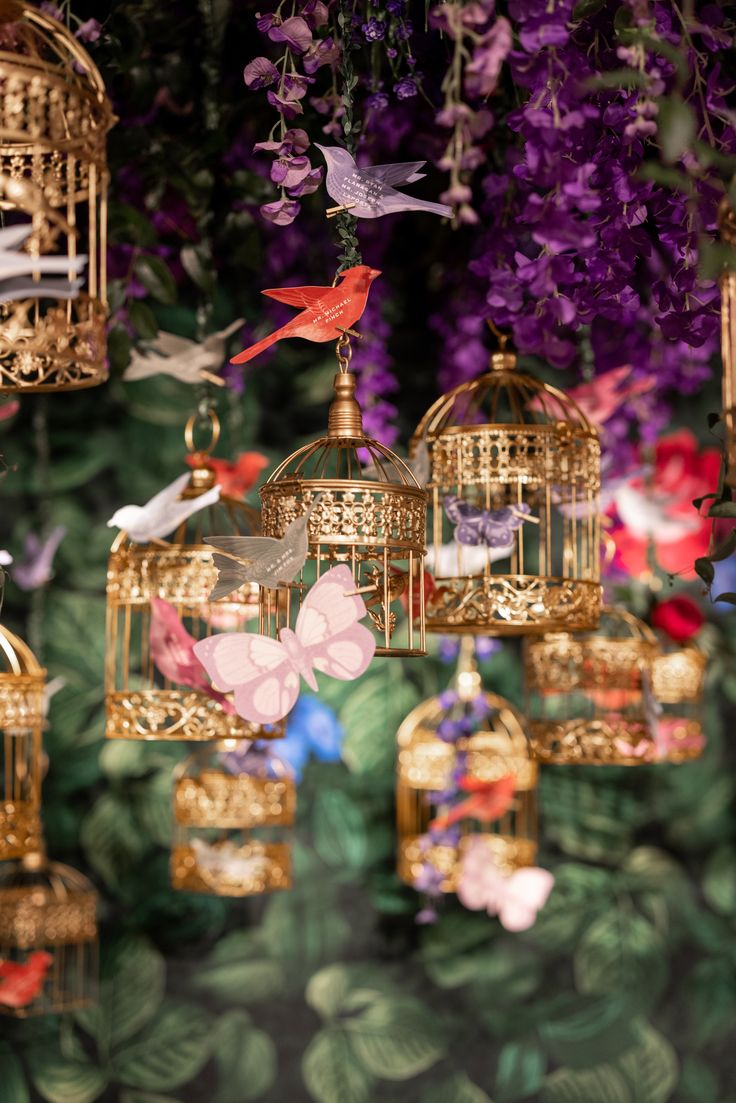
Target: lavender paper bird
(20,272)
(36,568)
(371,192)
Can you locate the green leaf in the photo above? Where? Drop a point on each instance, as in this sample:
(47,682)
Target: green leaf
(304,929)
(597,1085)
(521,1068)
(621,952)
(146,1097)
(371,717)
(327,990)
(588,1030)
(240,982)
(698,1082)
(143,320)
(729,597)
(719,880)
(458,1089)
(339,830)
(169,1053)
(130,995)
(245,1058)
(395,1038)
(711,1000)
(330,1071)
(13,1087)
(59,1079)
(726,548)
(156,277)
(585,8)
(112,838)
(676,127)
(651,1068)
(705,570)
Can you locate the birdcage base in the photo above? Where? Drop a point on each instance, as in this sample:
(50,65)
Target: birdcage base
(509,854)
(173,714)
(62,349)
(512,605)
(592,742)
(262,868)
(20,830)
(222,800)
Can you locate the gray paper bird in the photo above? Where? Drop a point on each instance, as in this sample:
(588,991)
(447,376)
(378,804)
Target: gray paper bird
(371,192)
(264,560)
(164,513)
(18,269)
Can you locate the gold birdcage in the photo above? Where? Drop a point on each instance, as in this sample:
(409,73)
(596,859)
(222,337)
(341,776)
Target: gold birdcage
(48,928)
(371,516)
(232,812)
(678,678)
(727,224)
(54,119)
(517,465)
(140,702)
(21,722)
(494,748)
(589,696)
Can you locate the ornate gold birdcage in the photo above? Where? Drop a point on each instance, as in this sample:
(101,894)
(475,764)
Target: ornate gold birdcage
(54,119)
(678,678)
(21,723)
(589,696)
(370,515)
(141,702)
(48,938)
(494,748)
(727,223)
(514,544)
(232,815)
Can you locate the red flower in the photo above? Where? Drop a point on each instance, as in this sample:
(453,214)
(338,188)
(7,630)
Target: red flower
(657,510)
(680,618)
(236,478)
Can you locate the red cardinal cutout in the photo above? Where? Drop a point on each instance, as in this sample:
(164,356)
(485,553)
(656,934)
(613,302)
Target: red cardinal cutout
(22,981)
(489,801)
(326,311)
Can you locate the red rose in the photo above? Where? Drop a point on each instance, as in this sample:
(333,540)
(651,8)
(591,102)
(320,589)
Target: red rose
(680,618)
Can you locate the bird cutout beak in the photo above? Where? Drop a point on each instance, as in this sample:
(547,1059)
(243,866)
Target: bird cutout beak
(374,273)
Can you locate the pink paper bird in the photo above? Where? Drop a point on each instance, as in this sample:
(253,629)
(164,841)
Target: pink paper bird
(601,397)
(172,648)
(326,311)
(370,192)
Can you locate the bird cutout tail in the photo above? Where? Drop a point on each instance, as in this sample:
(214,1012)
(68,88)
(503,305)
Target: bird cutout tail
(259,347)
(231,575)
(12,290)
(429,208)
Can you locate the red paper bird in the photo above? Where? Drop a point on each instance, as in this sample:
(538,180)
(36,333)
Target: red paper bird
(326,311)
(489,801)
(21,981)
(172,651)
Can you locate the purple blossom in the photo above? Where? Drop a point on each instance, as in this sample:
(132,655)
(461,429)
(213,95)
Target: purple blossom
(295,32)
(282,212)
(374,30)
(377,101)
(89,31)
(36,567)
(260,73)
(406,88)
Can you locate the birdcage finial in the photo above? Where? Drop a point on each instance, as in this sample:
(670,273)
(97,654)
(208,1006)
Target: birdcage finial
(502,359)
(467,678)
(344,418)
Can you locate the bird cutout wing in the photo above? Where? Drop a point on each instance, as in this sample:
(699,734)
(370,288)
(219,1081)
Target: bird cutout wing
(172,515)
(404,172)
(168,495)
(12,237)
(23,287)
(303,297)
(247,548)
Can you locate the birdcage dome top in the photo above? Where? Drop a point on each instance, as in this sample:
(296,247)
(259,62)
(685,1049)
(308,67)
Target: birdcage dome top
(503,397)
(16,658)
(35,46)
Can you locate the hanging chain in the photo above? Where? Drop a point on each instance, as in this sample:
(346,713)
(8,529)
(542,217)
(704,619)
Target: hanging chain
(344,352)
(346,223)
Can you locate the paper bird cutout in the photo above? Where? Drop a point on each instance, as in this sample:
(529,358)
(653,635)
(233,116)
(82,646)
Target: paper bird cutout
(18,269)
(165,512)
(494,527)
(458,560)
(371,192)
(225,861)
(36,567)
(601,397)
(264,674)
(325,313)
(185,360)
(234,477)
(9,409)
(264,560)
(489,800)
(22,981)
(172,650)
(514,898)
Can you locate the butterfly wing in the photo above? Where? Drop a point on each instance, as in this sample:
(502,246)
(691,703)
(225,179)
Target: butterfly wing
(328,626)
(256,669)
(467,518)
(523,895)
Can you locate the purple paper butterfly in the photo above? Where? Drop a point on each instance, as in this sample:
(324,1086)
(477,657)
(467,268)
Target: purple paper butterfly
(494,527)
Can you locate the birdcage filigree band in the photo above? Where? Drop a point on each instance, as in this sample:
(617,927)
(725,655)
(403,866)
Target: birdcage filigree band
(536,457)
(175,714)
(181,576)
(32,916)
(562,664)
(678,676)
(270,865)
(591,742)
(20,829)
(21,701)
(510,605)
(427,762)
(64,347)
(508,853)
(217,799)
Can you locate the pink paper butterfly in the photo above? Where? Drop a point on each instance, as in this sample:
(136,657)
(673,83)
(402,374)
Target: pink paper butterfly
(264,673)
(515,898)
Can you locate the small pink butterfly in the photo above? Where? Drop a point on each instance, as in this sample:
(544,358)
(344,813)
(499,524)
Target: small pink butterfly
(644,749)
(515,898)
(264,673)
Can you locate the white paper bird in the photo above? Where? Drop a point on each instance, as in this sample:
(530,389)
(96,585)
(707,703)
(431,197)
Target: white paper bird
(457,560)
(17,270)
(185,360)
(164,512)
(225,860)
